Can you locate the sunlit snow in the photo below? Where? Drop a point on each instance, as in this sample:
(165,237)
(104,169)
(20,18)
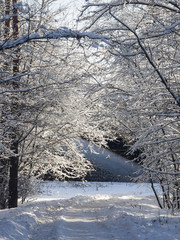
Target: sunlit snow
(90,211)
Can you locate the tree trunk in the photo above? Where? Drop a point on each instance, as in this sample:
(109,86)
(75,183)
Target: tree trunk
(4,170)
(13,177)
(7,22)
(14,160)
(4,162)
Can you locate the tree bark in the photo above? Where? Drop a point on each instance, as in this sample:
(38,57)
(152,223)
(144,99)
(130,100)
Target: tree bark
(14,160)
(7,22)
(13,178)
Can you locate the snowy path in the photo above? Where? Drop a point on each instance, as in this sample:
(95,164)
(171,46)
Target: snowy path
(72,222)
(97,211)
(80,220)
(93,218)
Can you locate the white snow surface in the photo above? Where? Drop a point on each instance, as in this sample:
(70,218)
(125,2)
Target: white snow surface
(90,211)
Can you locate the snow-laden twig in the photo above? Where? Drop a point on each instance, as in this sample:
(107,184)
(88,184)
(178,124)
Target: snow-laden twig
(163,79)
(161,172)
(57,34)
(118,3)
(171,27)
(6,150)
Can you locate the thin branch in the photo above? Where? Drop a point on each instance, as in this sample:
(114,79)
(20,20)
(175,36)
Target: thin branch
(163,79)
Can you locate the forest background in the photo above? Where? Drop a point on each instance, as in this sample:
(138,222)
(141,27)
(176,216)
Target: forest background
(116,76)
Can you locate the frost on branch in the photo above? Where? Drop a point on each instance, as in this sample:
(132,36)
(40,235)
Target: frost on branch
(43,106)
(57,34)
(144,53)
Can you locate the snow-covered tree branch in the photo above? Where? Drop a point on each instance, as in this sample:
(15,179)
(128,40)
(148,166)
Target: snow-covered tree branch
(43,100)
(144,53)
(57,34)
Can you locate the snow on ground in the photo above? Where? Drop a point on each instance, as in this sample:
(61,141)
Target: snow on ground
(90,211)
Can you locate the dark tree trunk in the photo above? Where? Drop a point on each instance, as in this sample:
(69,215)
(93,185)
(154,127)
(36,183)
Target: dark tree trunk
(15,29)
(4,170)
(13,160)
(4,162)
(7,22)
(13,177)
